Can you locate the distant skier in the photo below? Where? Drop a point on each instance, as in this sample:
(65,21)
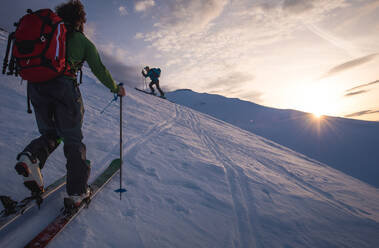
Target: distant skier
(153,74)
(59,111)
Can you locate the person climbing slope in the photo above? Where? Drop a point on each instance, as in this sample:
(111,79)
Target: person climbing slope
(59,111)
(153,74)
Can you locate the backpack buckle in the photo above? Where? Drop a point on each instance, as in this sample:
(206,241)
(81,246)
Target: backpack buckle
(43,39)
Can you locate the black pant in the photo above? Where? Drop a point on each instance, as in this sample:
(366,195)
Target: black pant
(58,108)
(157,85)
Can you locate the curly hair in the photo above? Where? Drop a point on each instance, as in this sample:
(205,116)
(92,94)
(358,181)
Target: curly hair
(73,14)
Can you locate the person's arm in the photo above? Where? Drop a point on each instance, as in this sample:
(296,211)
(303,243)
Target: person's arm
(144,74)
(93,59)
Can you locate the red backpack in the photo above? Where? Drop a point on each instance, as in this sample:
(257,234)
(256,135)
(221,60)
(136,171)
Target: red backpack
(39,47)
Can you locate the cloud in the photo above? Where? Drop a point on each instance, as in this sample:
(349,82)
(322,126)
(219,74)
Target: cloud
(198,37)
(234,84)
(143,5)
(139,35)
(113,50)
(194,27)
(362,10)
(311,10)
(338,42)
(230,82)
(122,10)
(191,15)
(114,59)
(356,93)
(90,30)
(351,64)
(127,74)
(253,95)
(297,6)
(363,86)
(364,112)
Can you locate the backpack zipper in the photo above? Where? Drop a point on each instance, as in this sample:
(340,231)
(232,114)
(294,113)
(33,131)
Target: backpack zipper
(57,49)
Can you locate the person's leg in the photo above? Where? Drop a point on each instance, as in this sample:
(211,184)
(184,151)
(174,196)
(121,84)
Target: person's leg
(35,154)
(151,87)
(69,116)
(78,170)
(41,147)
(159,88)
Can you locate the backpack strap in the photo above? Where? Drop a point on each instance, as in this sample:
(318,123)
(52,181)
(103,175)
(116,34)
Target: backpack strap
(81,76)
(72,72)
(28,99)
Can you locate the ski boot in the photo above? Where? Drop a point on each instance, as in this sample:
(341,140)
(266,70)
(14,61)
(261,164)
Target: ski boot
(28,167)
(73,202)
(8,204)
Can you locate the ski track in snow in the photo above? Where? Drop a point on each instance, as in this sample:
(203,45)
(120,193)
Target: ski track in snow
(245,225)
(309,187)
(344,144)
(134,144)
(242,194)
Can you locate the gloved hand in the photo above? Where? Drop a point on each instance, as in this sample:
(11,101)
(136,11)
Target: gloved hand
(121,91)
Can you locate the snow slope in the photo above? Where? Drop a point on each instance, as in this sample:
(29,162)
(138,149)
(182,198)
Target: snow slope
(192,180)
(348,145)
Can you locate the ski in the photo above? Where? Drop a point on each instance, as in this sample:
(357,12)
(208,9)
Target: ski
(65,217)
(17,209)
(149,93)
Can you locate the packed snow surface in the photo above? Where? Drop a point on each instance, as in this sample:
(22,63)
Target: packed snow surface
(192,181)
(348,145)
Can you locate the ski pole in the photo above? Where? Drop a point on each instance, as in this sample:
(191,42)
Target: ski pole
(109,104)
(121,190)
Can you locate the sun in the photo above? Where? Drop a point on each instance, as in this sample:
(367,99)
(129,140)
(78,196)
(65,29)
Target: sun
(317,115)
(316,99)
(316,104)
(318,110)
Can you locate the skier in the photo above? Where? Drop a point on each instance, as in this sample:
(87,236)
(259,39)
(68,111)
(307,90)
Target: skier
(59,110)
(153,74)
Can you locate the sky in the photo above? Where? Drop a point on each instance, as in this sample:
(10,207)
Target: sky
(318,56)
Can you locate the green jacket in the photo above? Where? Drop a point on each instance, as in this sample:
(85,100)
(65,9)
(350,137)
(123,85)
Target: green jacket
(80,49)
